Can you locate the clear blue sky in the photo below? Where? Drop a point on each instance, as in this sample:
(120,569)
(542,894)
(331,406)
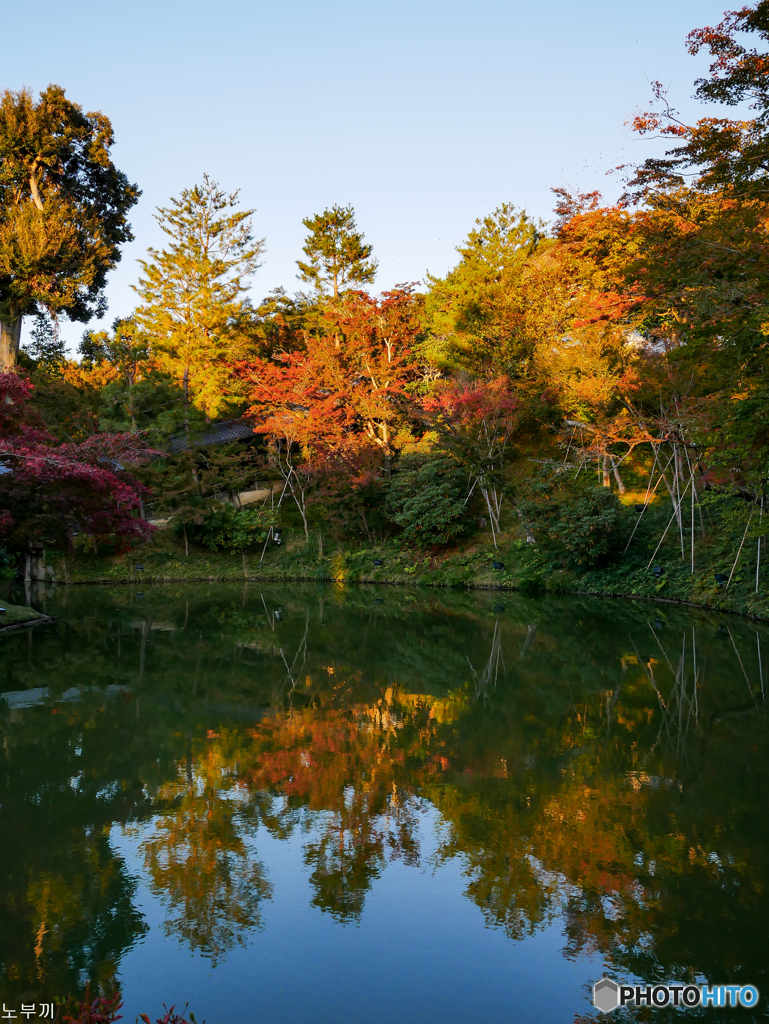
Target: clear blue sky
(423,114)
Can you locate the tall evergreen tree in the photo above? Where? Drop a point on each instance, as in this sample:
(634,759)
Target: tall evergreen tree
(63,209)
(336,253)
(194,306)
(477,316)
(45,345)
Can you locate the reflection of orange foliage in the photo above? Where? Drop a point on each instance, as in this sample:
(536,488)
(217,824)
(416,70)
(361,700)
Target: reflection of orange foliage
(199,861)
(315,757)
(350,763)
(579,833)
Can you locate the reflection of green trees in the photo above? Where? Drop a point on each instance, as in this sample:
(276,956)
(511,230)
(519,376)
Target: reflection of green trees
(66,902)
(200,863)
(579,763)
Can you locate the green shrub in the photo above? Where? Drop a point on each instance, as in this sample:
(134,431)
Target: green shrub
(224,526)
(590,526)
(7,564)
(427,500)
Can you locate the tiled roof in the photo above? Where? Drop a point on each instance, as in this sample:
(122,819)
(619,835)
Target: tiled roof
(217,433)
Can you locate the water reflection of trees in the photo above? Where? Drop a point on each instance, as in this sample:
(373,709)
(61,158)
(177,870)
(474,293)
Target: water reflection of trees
(199,859)
(343,774)
(591,764)
(66,900)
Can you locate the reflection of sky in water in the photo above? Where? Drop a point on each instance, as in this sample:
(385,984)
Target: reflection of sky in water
(420,952)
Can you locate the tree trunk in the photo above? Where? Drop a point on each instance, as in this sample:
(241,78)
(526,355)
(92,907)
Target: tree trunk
(617,477)
(606,468)
(10,335)
(186,391)
(530,538)
(492,518)
(303,513)
(365,526)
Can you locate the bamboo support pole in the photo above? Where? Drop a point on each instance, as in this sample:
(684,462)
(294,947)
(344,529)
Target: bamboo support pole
(646,503)
(758,552)
(679,474)
(692,537)
(670,523)
(760,667)
(739,550)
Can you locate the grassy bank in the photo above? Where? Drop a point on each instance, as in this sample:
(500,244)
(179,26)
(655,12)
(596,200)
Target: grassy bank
(17,615)
(531,568)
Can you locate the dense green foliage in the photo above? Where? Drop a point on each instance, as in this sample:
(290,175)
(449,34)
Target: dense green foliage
(223,526)
(588,524)
(427,500)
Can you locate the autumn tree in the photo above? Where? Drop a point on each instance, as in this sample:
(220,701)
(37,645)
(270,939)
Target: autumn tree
(303,419)
(194,308)
(51,490)
(702,257)
(63,211)
(588,367)
(347,393)
(716,153)
(371,345)
(337,256)
(475,424)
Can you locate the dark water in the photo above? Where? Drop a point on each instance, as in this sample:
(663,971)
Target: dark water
(324,804)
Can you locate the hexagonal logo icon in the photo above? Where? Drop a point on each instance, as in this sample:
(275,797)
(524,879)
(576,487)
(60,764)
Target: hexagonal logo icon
(605,995)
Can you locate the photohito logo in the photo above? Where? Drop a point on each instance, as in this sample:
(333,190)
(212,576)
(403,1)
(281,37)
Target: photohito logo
(608,995)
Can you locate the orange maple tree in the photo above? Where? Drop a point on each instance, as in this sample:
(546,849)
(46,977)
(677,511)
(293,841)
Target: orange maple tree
(345,396)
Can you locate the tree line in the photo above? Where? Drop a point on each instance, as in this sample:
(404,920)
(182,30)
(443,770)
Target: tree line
(620,349)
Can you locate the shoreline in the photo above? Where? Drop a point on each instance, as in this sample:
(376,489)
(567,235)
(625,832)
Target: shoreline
(416,584)
(39,621)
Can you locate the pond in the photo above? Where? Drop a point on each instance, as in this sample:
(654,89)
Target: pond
(326,803)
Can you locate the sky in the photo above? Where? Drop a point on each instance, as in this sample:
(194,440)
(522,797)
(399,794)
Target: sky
(424,115)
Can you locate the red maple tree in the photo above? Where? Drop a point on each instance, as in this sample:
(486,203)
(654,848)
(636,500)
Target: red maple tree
(326,409)
(52,490)
(474,424)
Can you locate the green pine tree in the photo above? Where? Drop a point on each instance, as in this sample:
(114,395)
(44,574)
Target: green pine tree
(194,308)
(336,254)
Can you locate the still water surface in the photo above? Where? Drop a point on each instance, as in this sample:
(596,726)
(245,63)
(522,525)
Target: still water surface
(321,804)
